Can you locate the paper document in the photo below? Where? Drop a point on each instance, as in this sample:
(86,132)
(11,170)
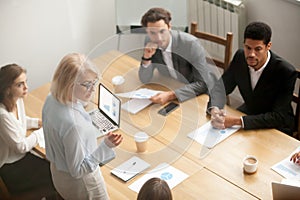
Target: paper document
(292,182)
(164,171)
(130,168)
(143,93)
(287,168)
(41,138)
(133,106)
(209,136)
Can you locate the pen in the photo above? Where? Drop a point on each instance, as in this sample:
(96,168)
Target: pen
(129,167)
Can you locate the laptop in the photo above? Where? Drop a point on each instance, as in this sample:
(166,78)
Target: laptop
(107,117)
(282,191)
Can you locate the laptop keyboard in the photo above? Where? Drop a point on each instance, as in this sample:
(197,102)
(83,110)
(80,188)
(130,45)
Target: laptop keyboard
(101,122)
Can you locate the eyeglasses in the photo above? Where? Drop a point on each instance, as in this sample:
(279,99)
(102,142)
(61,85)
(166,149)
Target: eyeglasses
(89,84)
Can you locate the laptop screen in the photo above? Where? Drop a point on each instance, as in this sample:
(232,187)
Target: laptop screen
(109,104)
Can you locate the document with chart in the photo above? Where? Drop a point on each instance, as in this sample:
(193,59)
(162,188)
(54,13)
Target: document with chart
(139,99)
(209,136)
(142,93)
(287,168)
(164,171)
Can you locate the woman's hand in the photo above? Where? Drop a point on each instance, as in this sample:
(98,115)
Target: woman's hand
(113,139)
(40,123)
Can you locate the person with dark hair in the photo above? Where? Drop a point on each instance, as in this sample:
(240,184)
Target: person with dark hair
(21,171)
(155,189)
(174,54)
(265,81)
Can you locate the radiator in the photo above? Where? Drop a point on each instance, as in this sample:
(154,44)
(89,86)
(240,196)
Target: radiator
(218,17)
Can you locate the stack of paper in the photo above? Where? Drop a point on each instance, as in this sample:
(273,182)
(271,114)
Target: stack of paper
(139,99)
(134,106)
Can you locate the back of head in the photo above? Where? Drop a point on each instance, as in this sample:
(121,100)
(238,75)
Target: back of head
(8,74)
(155,189)
(258,31)
(68,70)
(156,14)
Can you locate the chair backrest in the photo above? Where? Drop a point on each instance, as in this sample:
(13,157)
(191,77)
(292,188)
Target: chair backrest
(226,42)
(296,100)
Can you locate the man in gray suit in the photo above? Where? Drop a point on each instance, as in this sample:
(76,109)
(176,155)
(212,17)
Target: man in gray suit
(174,54)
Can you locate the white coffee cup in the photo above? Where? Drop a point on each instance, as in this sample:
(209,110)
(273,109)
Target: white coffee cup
(117,82)
(250,163)
(141,140)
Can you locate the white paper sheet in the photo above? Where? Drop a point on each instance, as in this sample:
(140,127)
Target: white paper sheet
(164,171)
(134,106)
(209,136)
(287,168)
(143,93)
(41,138)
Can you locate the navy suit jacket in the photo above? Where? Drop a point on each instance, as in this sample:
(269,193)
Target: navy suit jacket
(269,104)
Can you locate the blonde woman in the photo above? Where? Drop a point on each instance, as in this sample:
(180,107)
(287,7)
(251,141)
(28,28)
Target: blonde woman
(70,136)
(21,171)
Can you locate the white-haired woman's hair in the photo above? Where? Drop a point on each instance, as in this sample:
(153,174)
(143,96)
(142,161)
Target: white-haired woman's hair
(66,74)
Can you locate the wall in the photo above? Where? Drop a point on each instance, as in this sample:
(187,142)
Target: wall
(36,34)
(133,15)
(283,17)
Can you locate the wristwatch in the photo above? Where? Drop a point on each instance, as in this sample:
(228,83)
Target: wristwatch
(147,59)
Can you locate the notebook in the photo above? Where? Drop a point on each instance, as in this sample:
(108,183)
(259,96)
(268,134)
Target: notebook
(130,168)
(107,117)
(282,191)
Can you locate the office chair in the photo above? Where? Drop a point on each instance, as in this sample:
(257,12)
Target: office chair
(296,100)
(226,42)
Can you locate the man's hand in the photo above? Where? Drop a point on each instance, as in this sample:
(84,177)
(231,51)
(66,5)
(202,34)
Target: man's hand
(296,158)
(217,118)
(113,139)
(163,97)
(150,49)
(231,121)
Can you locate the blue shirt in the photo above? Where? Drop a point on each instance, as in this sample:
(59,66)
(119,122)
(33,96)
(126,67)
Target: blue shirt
(70,138)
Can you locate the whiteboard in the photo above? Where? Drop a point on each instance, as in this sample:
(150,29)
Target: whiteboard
(130,12)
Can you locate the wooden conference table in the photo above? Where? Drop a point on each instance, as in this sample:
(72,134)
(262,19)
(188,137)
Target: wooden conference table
(213,173)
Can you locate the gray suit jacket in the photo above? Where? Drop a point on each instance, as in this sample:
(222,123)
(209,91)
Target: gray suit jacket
(189,62)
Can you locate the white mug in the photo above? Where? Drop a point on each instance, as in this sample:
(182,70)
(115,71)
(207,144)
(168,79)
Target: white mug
(250,163)
(118,82)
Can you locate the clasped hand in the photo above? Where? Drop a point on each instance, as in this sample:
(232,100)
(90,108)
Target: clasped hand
(150,49)
(218,118)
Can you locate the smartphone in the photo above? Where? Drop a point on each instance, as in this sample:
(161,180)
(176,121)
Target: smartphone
(168,108)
